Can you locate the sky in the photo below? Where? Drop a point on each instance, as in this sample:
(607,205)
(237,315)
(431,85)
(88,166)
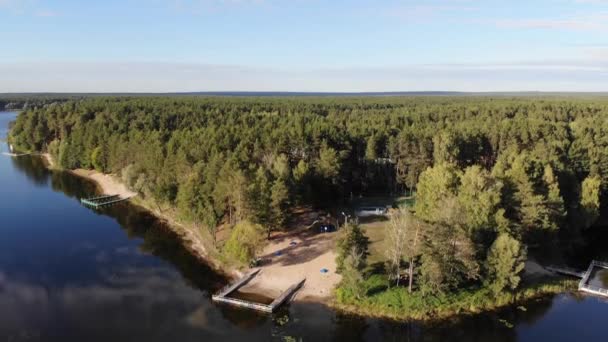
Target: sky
(303,45)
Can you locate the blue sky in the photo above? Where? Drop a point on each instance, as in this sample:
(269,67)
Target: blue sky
(303,45)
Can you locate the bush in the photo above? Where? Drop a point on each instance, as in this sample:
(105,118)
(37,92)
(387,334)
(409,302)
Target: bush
(246,239)
(352,237)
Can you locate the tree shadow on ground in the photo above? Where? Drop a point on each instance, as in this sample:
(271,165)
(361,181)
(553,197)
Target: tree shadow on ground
(372,219)
(309,245)
(308,241)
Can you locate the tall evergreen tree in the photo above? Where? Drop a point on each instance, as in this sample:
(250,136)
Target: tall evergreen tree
(506,260)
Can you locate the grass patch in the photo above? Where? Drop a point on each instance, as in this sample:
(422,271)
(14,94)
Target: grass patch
(407,202)
(398,303)
(376,232)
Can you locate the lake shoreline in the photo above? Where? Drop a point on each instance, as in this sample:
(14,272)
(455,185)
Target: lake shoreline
(272,280)
(195,244)
(557,286)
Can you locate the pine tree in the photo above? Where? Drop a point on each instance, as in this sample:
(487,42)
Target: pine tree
(436,185)
(506,260)
(351,237)
(279,204)
(328,164)
(479,196)
(590,200)
(554,201)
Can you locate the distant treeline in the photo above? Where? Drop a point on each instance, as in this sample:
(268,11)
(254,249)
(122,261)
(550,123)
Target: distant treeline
(226,159)
(27,101)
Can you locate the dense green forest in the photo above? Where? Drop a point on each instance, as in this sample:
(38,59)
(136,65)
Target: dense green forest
(185,149)
(26,101)
(492,175)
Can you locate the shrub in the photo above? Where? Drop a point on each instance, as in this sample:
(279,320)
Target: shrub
(244,242)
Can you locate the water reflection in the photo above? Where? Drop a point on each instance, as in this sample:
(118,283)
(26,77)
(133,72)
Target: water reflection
(70,273)
(126,303)
(33,168)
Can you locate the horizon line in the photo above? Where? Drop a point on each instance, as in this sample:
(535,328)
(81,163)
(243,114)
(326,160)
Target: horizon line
(304,93)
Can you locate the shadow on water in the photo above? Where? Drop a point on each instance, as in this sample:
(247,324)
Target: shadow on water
(158,239)
(34,169)
(132,297)
(310,321)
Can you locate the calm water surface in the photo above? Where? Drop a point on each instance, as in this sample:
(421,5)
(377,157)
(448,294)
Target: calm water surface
(68,273)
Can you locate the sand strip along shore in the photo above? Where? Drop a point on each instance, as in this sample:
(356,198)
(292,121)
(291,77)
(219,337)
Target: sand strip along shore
(192,238)
(109,185)
(302,254)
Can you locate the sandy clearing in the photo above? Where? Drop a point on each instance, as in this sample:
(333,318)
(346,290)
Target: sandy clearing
(311,253)
(50,163)
(108,184)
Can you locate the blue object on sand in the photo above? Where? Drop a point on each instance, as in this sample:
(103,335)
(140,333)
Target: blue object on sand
(278,253)
(324,270)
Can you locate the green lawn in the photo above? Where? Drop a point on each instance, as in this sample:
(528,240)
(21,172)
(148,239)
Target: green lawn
(376,231)
(405,201)
(375,228)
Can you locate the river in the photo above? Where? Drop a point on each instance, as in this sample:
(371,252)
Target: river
(69,273)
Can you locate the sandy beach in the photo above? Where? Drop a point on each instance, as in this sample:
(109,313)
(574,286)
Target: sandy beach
(108,184)
(193,238)
(302,252)
(291,257)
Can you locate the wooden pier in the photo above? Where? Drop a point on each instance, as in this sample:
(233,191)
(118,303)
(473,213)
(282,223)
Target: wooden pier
(222,295)
(101,201)
(287,294)
(566,271)
(228,289)
(584,285)
(15,154)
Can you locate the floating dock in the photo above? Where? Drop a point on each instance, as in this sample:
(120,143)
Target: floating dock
(101,201)
(586,284)
(566,271)
(222,295)
(15,154)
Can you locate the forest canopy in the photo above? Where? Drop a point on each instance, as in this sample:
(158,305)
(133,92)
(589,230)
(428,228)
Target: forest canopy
(511,165)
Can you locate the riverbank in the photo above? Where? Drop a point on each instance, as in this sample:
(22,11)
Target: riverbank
(302,255)
(106,183)
(193,239)
(399,305)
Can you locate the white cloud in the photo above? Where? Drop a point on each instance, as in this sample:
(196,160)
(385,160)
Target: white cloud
(14,6)
(583,75)
(201,6)
(27,305)
(596,2)
(46,13)
(26,7)
(598,53)
(591,22)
